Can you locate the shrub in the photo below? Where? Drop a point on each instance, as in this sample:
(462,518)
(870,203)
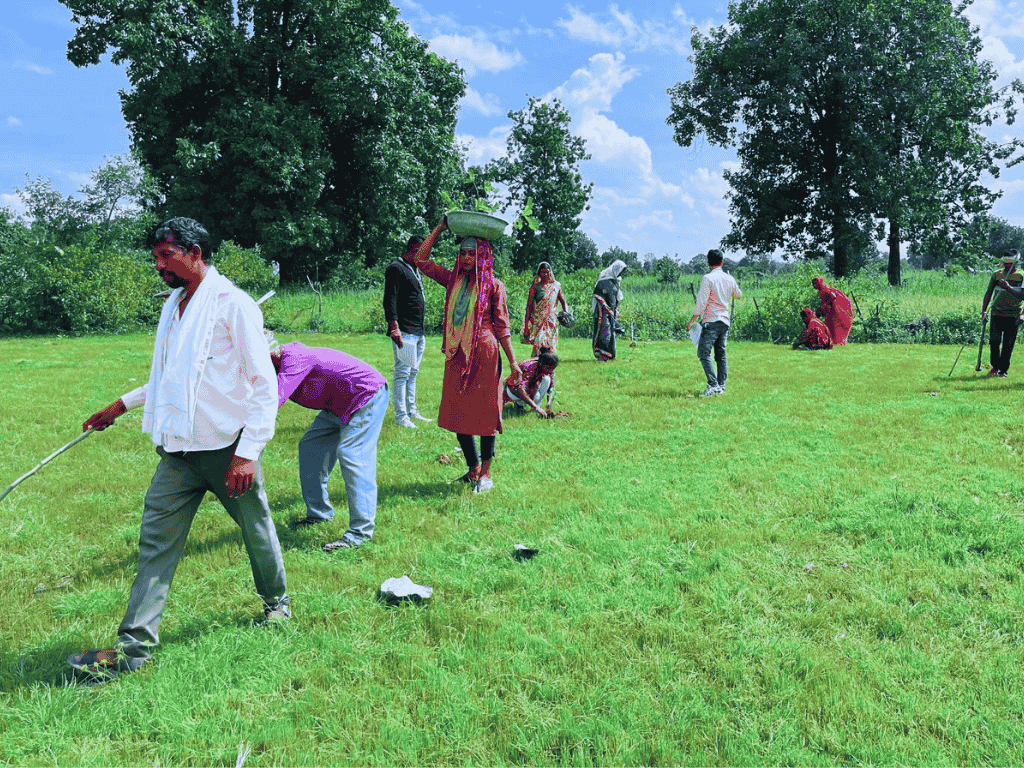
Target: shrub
(246,268)
(77,290)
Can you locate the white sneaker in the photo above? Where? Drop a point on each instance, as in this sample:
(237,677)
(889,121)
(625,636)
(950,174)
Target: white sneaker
(483,485)
(419,416)
(711,391)
(405,422)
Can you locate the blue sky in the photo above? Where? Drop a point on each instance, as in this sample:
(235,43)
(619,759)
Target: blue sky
(610,64)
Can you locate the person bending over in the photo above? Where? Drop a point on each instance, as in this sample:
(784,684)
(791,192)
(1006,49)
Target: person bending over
(352,398)
(537,383)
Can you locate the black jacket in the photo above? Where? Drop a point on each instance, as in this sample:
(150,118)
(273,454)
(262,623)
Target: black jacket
(403,297)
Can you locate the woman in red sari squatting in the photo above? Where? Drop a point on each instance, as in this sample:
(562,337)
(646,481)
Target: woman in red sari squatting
(837,309)
(476,330)
(815,335)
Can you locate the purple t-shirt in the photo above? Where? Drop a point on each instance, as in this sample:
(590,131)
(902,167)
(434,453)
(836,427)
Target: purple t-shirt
(326,379)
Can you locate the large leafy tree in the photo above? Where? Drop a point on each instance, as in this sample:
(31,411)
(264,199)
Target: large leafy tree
(318,129)
(542,165)
(846,114)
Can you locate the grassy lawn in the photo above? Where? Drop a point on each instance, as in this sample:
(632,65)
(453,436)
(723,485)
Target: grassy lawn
(822,566)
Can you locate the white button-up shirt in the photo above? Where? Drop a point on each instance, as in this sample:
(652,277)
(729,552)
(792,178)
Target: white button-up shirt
(716,289)
(238,390)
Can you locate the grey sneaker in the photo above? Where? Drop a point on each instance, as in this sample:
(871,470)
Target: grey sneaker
(419,416)
(711,391)
(483,485)
(277,614)
(406,422)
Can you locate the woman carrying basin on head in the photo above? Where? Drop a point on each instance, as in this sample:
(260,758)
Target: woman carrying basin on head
(476,330)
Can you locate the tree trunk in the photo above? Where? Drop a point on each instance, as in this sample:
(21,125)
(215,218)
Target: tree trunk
(894,253)
(840,245)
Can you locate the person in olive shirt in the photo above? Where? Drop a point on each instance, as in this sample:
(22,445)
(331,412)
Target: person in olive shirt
(1005,294)
(404,308)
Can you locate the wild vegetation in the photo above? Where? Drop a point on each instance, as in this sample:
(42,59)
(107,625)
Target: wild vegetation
(839,581)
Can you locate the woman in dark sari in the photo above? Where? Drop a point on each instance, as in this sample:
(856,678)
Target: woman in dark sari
(607,296)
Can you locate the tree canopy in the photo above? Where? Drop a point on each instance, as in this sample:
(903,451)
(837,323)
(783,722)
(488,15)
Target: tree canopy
(847,115)
(318,129)
(542,165)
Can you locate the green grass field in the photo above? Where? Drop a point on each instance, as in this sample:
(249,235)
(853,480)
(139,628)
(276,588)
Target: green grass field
(823,566)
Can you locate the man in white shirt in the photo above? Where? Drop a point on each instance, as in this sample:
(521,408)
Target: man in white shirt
(210,405)
(716,289)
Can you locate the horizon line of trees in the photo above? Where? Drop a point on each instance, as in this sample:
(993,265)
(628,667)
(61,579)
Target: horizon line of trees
(323,134)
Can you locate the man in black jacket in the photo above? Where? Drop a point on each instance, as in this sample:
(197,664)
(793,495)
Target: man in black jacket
(404,308)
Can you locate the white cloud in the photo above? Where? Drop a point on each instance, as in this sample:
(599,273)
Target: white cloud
(620,30)
(12,121)
(588,93)
(474,54)
(718,211)
(1006,64)
(488,105)
(709,182)
(661,219)
(594,87)
(615,199)
(80,178)
(996,18)
(13,202)
(30,67)
(1009,187)
(482,149)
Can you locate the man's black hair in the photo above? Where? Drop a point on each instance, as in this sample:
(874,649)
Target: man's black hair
(715,257)
(187,233)
(414,242)
(547,357)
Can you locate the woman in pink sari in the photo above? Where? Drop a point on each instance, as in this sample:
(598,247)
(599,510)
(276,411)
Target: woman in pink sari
(837,309)
(540,326)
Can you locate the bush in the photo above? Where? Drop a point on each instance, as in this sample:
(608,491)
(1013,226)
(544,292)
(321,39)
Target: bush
(246,268)
(77,290)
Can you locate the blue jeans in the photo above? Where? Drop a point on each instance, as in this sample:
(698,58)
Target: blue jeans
(354,446)
(404,379)
(713,336)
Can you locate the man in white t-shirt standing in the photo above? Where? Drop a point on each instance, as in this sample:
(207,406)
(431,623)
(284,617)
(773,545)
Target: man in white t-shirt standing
(716,290)
(210,405)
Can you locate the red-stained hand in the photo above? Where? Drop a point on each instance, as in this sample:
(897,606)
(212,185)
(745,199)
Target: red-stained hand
(105,418)
(397,338)
(241,475)
(517,374)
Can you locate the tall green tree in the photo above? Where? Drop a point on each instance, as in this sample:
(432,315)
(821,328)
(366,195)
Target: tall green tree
(542,165)
(318,129)
(845,114)
(584,252)
(616,253)
(51,217)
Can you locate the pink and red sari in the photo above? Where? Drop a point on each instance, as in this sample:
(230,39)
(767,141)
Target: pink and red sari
(837,309)
(815,335)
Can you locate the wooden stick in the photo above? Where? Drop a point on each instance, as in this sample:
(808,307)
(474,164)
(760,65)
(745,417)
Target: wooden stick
(45,461)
